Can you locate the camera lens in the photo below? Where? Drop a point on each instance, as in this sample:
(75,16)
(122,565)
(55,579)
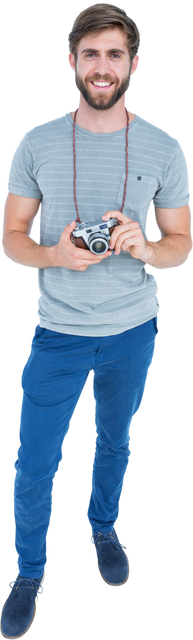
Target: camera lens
(98,244)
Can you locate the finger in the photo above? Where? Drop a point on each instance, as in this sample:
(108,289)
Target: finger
(116,214)
(118,232)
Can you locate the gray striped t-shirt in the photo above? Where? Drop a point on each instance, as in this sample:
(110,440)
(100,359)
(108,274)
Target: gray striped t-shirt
(117,294)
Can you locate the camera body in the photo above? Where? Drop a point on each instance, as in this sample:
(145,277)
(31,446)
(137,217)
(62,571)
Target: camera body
(94,235)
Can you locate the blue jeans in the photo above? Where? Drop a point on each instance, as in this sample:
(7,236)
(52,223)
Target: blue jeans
(52,381)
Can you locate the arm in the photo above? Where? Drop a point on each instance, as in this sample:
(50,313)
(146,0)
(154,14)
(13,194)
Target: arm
(19,215)
(23,250)
(172,250)
(168,253)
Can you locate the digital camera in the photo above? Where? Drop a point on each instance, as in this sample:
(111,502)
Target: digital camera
(94,235)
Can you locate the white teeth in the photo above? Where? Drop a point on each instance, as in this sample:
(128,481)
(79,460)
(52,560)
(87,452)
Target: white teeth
(102,84)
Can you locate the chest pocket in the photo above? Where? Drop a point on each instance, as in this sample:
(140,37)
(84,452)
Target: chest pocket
(139,194)
(140,191)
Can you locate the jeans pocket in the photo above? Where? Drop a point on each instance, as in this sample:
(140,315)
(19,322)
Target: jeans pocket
(39,331)
(155,324)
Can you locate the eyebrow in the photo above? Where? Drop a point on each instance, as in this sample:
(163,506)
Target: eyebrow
(90,50)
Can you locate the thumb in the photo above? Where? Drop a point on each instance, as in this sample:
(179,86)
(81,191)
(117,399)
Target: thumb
(72,225)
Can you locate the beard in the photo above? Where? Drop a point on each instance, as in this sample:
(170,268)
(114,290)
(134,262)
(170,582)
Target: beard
(101,101)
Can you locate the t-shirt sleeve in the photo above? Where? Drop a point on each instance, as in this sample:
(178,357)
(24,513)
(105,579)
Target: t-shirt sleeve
(174,191)
(22,181)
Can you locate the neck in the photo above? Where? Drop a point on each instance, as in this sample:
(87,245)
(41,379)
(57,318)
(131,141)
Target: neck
(103,122)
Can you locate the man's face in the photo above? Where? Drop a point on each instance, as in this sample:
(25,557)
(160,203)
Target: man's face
(103,58)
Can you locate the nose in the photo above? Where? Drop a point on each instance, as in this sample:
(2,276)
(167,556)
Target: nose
(102,65)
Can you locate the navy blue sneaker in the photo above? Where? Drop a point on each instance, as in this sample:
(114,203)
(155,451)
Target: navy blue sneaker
(112,560)
(20,607)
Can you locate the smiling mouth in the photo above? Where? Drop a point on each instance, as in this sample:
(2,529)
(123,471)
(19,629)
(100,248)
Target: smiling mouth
(102,88)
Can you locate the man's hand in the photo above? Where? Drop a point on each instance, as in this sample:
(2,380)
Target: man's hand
(127,237)
(66,254)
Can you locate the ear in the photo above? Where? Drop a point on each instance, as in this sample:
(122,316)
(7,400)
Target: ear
(136,65)
(72,61)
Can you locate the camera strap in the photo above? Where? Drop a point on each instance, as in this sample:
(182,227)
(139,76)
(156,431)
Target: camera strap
(127,129)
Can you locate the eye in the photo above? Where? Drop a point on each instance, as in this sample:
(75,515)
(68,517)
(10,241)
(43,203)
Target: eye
(115,55)
(92,54)
(89,55)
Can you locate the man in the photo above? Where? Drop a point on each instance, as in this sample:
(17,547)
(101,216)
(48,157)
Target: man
(97,310)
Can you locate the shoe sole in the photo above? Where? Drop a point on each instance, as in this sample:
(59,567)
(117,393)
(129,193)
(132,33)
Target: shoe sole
(110,585)
(30,626)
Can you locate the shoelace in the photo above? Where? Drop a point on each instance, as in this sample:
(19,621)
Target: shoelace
(24,583)
(106,537)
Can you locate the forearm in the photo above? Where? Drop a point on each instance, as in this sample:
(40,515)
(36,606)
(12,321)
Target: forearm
(171,251)
(23,250)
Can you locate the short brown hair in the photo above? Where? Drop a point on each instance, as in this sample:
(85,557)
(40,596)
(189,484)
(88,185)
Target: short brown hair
(98,17)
